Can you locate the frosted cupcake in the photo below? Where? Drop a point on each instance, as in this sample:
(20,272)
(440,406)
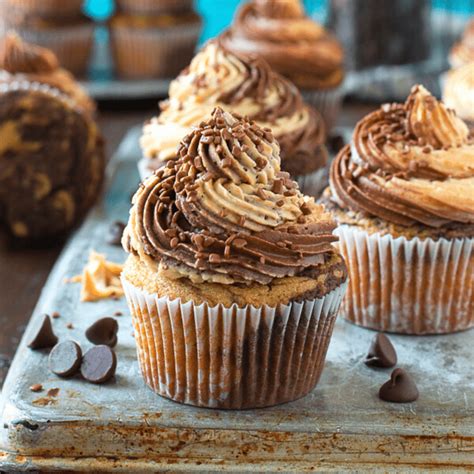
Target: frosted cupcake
(248,86)
(295,46)
(463,51)
(403,194)
(232,279)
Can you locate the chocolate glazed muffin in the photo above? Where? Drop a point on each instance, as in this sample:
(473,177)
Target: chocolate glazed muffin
(295,46)
(51,152)
(232,280)
(248,86)
(403,192)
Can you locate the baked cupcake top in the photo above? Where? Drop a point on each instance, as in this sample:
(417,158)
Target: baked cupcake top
(293,44)
(463,51)
(410,163)
(22,61)
(458,91)
(245,85)
(224,212)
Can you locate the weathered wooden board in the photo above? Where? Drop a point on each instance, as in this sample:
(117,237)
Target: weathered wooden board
(124,426)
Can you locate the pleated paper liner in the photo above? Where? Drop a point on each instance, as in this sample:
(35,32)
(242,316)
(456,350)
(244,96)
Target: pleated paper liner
(313,184)
(153,52)
(233,358)
(154,7)
(326,102)
(416,286)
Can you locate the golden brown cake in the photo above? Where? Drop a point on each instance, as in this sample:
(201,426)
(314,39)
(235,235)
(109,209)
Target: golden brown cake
(154,7)
(153,46)
(403,194)
(248,86)
(295,46)
(51,152)
(232,279)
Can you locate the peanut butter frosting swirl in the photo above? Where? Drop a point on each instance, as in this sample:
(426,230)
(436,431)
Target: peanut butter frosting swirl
(22,61)
(225,212)
(245,85)
(408,164)
(463,51)
(293,44)
(458,92)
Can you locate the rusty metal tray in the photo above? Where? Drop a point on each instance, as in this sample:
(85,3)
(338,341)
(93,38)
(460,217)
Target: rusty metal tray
(123,426)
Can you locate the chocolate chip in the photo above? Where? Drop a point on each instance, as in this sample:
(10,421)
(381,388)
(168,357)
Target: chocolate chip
(37,387)
(401,388)
(99,364)
(55,315)
(103,331)
(65,358)
(381,352)
(44,337)
(114,236)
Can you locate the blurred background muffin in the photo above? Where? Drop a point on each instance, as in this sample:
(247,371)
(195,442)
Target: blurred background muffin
(57,25)
(153,39)
(51,151)
(295,46)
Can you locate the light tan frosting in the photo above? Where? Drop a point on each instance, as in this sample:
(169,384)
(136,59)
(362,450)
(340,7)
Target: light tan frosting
(458,91)
(409,163)
(217,77)
(463,51)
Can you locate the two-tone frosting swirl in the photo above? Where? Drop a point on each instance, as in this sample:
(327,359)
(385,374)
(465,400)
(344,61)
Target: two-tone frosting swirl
(21,61)
(291,42)
(247,86)
(408,164)
(224,211)
(463,51)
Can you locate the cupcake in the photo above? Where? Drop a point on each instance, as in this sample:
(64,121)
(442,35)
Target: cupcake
(20,61)
(154,7)
(248,86)
(232,279)
(403,195)
(51,153)
(458,92)
(295,46)
(16,11)
(463,51)
(153,46)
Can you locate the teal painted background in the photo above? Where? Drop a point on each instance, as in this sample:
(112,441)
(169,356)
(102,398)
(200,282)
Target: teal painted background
(217,14)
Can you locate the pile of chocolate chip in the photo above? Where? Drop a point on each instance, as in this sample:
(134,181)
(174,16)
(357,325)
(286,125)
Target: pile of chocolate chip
(66,359)
(401,387)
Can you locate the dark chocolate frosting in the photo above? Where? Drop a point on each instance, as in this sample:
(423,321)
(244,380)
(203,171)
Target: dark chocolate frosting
(223,211)
(293,44)
(408,164)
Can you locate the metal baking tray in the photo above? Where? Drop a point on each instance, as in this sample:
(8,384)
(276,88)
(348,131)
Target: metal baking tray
(124,426)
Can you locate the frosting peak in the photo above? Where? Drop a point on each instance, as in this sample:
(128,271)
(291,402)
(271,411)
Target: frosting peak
(279,8)
(223,211)
(408,163)
(17,56)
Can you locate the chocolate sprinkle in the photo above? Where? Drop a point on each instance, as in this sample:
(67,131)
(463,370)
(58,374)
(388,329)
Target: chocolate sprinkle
(381,352)
(44,337)
(65,358)
(99,364)
(401,388)
(37,387)
(103,331)
(115,232)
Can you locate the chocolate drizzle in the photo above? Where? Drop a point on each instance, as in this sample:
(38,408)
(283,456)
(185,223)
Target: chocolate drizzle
(223,211)
(407,164)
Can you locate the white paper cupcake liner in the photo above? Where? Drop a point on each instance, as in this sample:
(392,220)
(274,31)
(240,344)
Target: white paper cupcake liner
(231,358)
(153,52)
(313,184)
(416,286)
(326,102)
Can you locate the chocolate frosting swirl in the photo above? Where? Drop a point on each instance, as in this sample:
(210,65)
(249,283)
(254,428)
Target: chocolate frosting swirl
(242,84)
(225,212)
(408,164)
(22,61)
(291,42)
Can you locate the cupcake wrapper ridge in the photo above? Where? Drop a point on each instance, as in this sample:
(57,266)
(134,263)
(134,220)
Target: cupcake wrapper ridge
(326,102)
(232,358)
(313,184)
(416,286)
